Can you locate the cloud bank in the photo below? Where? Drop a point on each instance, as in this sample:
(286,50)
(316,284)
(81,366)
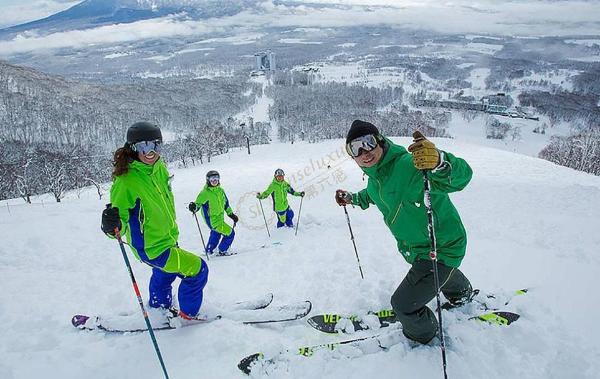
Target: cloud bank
(513,18)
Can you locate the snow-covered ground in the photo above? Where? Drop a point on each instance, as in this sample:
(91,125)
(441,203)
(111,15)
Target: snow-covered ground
(530,224)
(520,139)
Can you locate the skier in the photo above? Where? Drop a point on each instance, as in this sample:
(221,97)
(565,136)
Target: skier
(142,206)
(279,189)
(395,186)
(213,202)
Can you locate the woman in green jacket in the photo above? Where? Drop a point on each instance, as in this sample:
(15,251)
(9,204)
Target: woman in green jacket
(142,207)
(279,189)
(395,186)
(214,205)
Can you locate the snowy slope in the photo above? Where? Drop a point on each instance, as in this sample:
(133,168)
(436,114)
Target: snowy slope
(530,224)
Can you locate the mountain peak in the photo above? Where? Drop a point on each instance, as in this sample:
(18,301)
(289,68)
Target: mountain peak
(93,13)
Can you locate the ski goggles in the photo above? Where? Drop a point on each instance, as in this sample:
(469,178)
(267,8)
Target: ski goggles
(146,147)
(364,143)
(279,172)
(213,178)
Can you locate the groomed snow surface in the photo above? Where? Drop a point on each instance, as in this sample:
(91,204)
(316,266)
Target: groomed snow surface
(530,224)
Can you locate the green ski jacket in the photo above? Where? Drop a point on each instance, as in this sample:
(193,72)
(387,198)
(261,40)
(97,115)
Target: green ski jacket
(146,208)
(395,186)
(214,204)
(279,191)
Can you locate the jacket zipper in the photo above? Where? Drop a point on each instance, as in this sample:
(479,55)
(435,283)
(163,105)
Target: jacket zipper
(381,197)
(142,218)
(400,206)
(166,207)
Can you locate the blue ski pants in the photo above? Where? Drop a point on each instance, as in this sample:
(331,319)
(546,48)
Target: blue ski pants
(223,245)
(285,218)
(180,264)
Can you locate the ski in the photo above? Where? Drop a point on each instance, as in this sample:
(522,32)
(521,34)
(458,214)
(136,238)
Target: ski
(266,245)
(243,252)
(97,322)
(246,313)
(228,254)
(365,345)
(336,323)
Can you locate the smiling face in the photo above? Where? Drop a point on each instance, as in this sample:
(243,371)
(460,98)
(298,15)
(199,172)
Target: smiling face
(369,158)
(149,158)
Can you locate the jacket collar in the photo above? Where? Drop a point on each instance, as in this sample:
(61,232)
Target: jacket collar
(145,168)
(211,188)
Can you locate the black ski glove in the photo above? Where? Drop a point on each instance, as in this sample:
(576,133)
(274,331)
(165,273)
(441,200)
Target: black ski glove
(343,198)
(234,217)
(110,220)
(302,194)
(192,207)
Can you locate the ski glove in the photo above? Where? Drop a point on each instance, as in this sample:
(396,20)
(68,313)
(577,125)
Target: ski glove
(302,194)
(234,217)
(110,220)
(425,155)
(343,198)
(192,207)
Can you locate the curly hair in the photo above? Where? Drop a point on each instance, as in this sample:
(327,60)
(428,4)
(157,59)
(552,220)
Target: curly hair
(121,160)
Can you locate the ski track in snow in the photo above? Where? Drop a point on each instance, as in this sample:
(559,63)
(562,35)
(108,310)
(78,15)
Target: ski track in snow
(530,224)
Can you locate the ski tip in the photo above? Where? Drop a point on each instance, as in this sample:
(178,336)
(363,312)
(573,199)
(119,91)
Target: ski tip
(324,323)
(308,307)
(79,321)
(270,297)
(499,318)
(249,362)
(305,310)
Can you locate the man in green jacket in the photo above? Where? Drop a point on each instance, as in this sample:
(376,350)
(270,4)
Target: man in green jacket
(214,204)
(279,189)
(395,186)
(142,207)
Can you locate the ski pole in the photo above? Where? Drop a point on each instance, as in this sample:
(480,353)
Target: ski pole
(264,218)
(201,237)
(141,302)
(299,213)
(353,243)
(434,260)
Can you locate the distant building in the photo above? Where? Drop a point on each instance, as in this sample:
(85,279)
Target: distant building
(265,61)
(498,104)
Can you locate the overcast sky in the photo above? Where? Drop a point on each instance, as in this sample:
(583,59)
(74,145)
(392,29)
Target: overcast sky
(508,17)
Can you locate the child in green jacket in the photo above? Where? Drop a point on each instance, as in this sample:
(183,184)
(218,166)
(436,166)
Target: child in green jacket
(279,189)
(214,204)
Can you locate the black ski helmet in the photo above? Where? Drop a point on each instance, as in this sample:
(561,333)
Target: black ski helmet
(279,172)
(143,131)
(209,174)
